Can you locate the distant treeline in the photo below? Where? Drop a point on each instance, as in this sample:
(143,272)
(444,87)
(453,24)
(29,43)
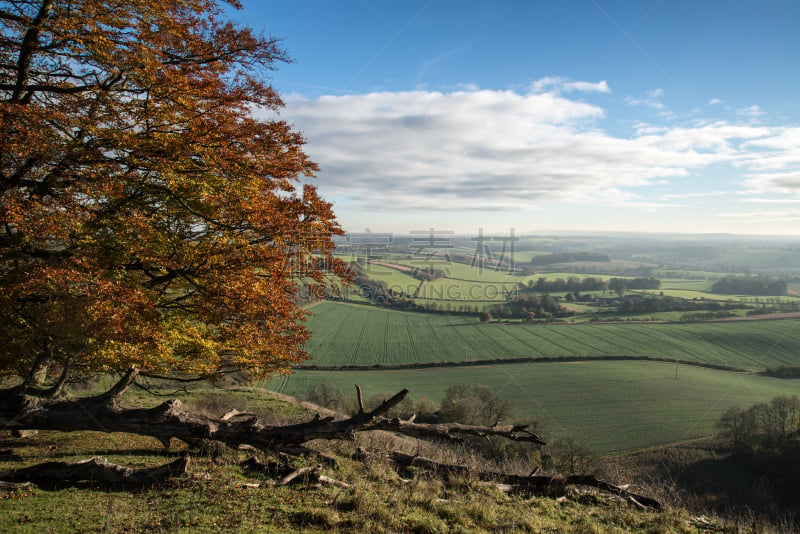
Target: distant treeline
(750,285)
(783,371)
(568,257)
(573,283)
(652,304)
(530,307)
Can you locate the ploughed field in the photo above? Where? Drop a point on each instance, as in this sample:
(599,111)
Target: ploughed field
(609,405)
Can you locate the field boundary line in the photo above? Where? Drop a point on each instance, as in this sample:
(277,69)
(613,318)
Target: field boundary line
(532,359)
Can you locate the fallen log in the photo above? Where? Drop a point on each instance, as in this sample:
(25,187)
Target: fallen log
(23,409)
(520,484)
(95,471)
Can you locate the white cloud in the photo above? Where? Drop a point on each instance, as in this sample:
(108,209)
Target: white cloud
(652,99)
(714,102)
(786,182)
(501,150)
(752,112)
(704,194)
(587,87)
(557,84)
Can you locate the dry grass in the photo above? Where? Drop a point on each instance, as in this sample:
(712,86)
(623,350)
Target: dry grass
(213,499)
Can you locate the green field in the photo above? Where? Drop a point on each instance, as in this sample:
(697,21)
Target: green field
(351,334)
(609,406)
(464,272)
(396,280)
(449,289)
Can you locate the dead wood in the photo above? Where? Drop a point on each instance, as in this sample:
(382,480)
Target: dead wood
(15,486)
(455,432)
(304,472)
(527,485)
(95,471)
(30,407)
(22,410)
(309,476)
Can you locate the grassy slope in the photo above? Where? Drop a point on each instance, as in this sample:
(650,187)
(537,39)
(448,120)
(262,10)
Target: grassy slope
(608,406)
(212,499)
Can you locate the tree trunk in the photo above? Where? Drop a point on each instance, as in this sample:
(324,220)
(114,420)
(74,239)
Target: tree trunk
(95,471)
(21,410)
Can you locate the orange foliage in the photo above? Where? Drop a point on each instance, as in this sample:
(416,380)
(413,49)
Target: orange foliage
(149,217)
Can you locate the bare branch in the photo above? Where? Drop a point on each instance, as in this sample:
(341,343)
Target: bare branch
(360,399)
(455,431)
(29,45)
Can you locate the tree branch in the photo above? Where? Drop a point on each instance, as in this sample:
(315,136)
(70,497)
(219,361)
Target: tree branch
(29,46)
(533,484)
(455,431)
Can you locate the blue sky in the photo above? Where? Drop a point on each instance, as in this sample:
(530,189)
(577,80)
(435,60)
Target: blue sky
(666,116)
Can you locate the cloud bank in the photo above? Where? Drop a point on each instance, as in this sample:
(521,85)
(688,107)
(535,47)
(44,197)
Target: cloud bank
(505,150)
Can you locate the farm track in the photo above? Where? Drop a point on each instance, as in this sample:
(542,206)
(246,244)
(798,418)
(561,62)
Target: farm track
(414,351)
(354,354)
(485,335)
(563,335)
(330,333)
(386,339)
(524,342)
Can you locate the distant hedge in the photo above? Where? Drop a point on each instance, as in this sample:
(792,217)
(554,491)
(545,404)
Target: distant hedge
(750,285)
(568,257)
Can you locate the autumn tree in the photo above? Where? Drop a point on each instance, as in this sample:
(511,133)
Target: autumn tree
(156,217)
(154,210)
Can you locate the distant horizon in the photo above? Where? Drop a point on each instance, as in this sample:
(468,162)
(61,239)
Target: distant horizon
(572,233)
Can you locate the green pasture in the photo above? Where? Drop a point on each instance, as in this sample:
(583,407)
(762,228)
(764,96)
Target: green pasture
(608,406)
(687,275)
(677,284)
(394,279)
(463,271)
(352,334)
(466,291)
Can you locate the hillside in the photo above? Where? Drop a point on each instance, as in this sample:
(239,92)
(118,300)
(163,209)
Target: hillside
(220,496)
(612,386)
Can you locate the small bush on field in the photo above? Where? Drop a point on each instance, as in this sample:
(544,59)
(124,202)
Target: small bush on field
(329,396)
(476,405)
(569,456)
